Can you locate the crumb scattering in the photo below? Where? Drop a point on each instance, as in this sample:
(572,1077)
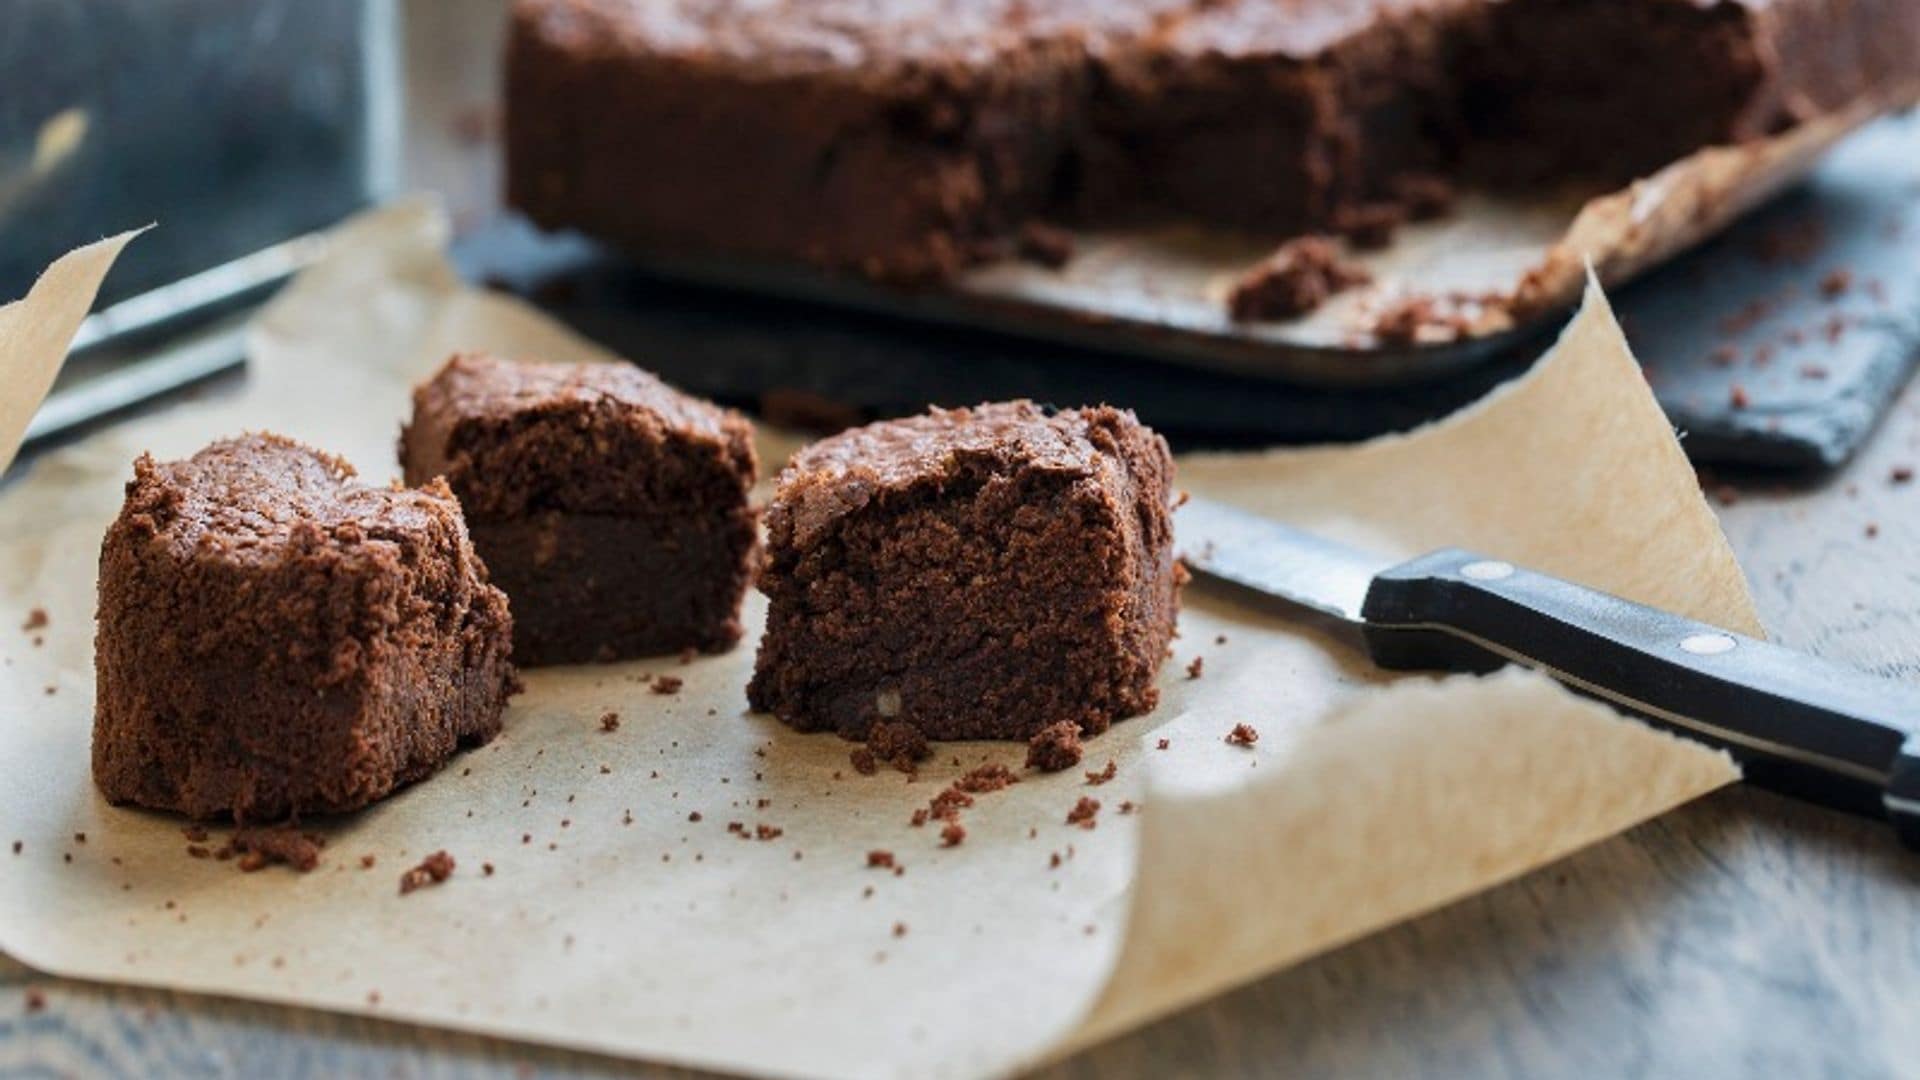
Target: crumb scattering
(986,778)
(1103,775)
(1243,735)
(1296,279)
(864,762)
(1085,813)
(1194,669)
(610,721)
(668,684)
(36,999)
(880,859)
(1055,747)
(952,834)
(1048,245)
(897,743)
(259,848)
(36,620)
(432,870)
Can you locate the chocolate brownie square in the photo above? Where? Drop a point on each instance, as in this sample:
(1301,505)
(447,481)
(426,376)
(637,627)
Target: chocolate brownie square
(611,507)
(977,573)
(276,639)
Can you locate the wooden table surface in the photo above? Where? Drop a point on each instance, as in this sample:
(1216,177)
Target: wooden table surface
(1742,934)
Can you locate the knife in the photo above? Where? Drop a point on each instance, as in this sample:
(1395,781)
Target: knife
(1798,725)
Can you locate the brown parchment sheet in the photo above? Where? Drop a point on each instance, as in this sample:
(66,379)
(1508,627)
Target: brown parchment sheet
(1493,263)
(614,921)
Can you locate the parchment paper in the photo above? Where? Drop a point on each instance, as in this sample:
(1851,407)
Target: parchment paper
(613,921)
(1497,260)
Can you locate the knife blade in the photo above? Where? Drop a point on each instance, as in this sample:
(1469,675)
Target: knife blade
(1799,725)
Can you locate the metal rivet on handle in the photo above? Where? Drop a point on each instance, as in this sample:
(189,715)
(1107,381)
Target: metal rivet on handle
(1707,644)
(1487,570)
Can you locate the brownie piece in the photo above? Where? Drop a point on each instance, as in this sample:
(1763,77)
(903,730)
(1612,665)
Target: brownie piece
(276,639)
(977,573)
(611,507)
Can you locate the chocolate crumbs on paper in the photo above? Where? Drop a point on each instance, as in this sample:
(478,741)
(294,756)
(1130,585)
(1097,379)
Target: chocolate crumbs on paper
(432,870)
(1055,748)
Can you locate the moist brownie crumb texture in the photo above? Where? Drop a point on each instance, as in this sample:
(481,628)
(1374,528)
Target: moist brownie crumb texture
(974,573)
(909,138)
(610,507)
(277,639)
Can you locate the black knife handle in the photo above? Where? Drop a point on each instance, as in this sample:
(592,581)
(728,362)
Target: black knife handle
(1797,724)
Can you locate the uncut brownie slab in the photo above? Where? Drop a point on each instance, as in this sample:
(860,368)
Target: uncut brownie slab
(907,139)
(611,507)
(277,639)
(977,573)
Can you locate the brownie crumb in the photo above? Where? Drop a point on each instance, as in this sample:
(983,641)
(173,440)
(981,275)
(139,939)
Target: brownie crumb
(986,778)
(947,805)
(919,818)
(1194,669)
(1901,474)
(1048,245)
(1737,396)
(1243,735)
(897,743)
(899,929)
(1055,748)
(1836,282)
(1127,807)
(952,834)
(36,620)
(367,861)
(864,762)
(432,870)
(695,816)
(1163,744)
(667,684)
(259,848)
(486,869)
(1370,226)
(610,721)
(880,859)
(767,832)
(1104,775)
(1294,280)
(36,999)
(1084,813)
(1427,320)
(1425,195)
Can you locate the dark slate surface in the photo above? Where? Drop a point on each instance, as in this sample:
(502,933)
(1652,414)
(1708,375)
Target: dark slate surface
(1745,311)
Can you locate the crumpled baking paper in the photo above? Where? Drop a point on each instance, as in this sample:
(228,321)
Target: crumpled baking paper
(605,897)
